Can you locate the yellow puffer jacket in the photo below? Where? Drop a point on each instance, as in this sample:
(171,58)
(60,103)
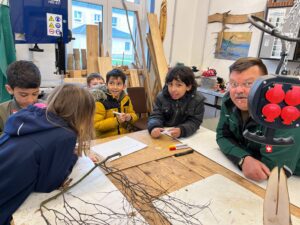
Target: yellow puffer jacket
(106,123)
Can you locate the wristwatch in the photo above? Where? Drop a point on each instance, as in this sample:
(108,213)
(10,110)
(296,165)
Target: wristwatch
(240,164)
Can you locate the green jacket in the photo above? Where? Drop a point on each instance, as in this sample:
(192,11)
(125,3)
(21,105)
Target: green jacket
(232,143)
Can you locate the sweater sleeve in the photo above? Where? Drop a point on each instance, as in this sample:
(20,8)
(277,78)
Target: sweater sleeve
(156,118)
(132,113)
(227,141)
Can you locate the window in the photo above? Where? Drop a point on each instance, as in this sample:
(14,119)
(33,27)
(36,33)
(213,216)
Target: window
(93,14)
(116,36)
(114,21)
(78,16)
(127,46)
(97,18)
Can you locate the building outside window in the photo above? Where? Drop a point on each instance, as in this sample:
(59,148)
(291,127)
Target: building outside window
(114,21)
(127,46)
(78,16)
(116,36)
(97,18)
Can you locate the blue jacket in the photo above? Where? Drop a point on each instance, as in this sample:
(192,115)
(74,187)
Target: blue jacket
(35,156)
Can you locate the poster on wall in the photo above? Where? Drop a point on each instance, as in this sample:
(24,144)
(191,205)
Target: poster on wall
(233,45)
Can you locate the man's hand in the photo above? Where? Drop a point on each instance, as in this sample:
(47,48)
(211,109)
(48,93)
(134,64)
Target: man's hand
(175,132)
(255,169)
(155,133)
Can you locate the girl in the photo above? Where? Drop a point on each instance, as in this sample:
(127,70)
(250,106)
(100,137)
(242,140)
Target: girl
(37,147)
(178,105)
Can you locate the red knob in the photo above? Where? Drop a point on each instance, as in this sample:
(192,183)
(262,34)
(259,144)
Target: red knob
(289,114)
(292,97)
(271,112)
(275,94)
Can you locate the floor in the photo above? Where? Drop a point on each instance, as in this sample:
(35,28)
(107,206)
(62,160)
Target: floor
(210,123)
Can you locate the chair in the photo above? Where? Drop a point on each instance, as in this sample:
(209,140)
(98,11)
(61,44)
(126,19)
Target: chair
(139,101)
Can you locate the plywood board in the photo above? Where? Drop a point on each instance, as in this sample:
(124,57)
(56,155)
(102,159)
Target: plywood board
(134,78)
(228,203)
(96,188)
(104,65)
(158,47)
(204,142)
(92,46)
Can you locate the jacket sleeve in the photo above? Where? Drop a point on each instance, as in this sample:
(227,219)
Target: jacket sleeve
(193,121)
(226,140)
(287,157)
(132,113)
(101,123)
(56,163)
(156,118)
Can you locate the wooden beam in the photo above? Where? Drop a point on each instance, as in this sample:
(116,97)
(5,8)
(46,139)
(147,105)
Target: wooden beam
(232,19)
(105,65)
(145,70)
(92,48)
(77,58)
(83,59)
(161,61)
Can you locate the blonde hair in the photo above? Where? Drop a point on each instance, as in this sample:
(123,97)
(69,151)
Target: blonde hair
(76,106)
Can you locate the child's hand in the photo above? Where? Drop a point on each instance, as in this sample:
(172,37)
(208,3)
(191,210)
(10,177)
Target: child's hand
(127,117)
(121,117)
(155,133)
(175,132)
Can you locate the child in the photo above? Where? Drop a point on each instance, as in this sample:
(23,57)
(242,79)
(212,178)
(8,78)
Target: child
(114,112)
(178,105)
(37,147)
(94,79)
(23,82)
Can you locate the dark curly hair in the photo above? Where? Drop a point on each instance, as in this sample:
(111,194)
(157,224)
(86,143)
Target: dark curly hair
(23,74)
(184,74)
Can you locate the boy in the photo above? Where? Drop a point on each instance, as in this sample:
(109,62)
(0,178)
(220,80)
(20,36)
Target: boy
(114,111)
(94,79)
(23,83)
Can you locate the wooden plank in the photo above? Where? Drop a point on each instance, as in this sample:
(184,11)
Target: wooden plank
(145,70)
(158,47)
(104,65)
(170,178)
(101,50)
(75,73)
(206,167)
(134,78)
(83,59)
(70,62)
(232,19)
(157,149)
(92,48)
(77,58)
(75,80)
(145,208)
(276,202)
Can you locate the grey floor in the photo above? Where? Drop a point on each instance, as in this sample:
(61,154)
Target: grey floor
(210,123)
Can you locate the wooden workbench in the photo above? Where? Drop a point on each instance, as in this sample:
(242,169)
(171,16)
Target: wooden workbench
(155,166)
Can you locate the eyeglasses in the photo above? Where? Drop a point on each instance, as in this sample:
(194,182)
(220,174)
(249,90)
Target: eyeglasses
(247,84)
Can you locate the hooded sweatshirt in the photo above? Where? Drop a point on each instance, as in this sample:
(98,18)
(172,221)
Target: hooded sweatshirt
(36,155)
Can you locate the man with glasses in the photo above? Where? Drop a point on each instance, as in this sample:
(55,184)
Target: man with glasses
(255,160)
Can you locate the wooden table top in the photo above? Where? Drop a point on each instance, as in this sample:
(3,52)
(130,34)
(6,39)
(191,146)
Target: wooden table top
(156,166)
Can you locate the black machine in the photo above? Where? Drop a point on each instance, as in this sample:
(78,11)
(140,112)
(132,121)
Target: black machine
(274,100)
